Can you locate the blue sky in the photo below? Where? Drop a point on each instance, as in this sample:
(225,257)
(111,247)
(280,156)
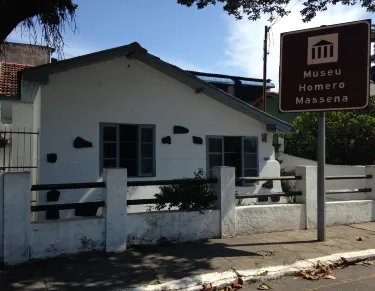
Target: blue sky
(206,40)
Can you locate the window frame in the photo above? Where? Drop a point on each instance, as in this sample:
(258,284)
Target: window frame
(243,138)
(102,125)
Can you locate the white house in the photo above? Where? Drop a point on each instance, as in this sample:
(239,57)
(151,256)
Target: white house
(124,107)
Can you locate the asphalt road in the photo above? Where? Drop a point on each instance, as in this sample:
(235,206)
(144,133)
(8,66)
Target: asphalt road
(347,279)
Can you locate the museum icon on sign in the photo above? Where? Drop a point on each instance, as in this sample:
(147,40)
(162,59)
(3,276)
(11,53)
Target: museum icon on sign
(322,49)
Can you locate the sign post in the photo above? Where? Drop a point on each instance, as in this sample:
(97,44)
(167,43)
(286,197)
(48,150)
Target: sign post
(321,199)
(323,69)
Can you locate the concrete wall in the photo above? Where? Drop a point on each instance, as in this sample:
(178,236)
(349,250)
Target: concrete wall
(132,92)
(172,226)
(28,54)
(269,218)
(350,212)
(23,119)
(1,217)
(290,162)
(50,239)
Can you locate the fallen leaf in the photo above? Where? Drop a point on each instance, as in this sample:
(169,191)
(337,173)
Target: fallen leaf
(227,288)
(329,277)
(264,287)
(365,263)
(237,284)
(207,286)
(359,239)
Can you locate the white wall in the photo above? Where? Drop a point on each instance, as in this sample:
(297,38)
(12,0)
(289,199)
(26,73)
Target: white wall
(270,218)
(172,226)
(22,143)
(53,238)
(290,162)
(35,137)
(6,156)
(1,217)
(126,91)
(350,212)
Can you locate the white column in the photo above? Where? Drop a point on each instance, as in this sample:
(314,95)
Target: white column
(17,195)
(308,186)
(115,209)
(370,183)
(226,200)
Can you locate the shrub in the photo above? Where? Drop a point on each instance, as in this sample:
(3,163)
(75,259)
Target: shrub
(187,197)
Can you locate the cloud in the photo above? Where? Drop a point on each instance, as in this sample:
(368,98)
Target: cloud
(244,43)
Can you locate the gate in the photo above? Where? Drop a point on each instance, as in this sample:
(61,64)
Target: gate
(18,149)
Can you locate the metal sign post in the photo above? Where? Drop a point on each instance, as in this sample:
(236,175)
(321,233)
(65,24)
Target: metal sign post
(321,219)
(322,69)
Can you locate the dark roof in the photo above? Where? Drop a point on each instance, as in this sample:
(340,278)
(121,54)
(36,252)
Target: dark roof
(230,80)
(226,76)
(41,74)
(322,42)
(9,78)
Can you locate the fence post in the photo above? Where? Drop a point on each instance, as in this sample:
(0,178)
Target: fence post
(17,186)
(308,186)
(115,210)
(370,183)
(226,199)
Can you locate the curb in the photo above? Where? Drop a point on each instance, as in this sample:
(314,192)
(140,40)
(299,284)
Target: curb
(194,283)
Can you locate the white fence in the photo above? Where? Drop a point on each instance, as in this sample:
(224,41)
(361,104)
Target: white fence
(290,163)
(21,239)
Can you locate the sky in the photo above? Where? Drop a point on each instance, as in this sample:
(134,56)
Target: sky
(206,40)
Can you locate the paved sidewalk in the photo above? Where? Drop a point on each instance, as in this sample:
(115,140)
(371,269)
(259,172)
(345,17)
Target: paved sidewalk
(159,264)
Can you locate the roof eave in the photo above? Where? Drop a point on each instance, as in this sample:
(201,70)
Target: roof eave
(277,127)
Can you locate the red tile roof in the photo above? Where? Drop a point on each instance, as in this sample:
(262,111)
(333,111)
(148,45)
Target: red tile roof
(9,78)
(260,99)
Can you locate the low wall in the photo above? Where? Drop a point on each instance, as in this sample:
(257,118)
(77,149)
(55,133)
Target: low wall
(53,238)
(269,218)
(172,226)
(350,212)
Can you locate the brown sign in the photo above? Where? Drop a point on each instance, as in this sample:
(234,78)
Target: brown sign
(325,68)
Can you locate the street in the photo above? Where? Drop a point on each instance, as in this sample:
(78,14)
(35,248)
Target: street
(347,279)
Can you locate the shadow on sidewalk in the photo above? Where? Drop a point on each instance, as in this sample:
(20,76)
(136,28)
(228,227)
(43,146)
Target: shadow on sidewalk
(136,266)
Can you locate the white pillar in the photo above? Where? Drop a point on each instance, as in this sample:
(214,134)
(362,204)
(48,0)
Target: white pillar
(370,183)
(115,209)
(226,201)
(308,186)
(17,195)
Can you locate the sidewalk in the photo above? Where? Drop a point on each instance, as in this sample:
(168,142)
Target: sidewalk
(159,264)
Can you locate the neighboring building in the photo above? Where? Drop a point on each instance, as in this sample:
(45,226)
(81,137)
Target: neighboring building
(272,107)
(15,57)
(245,89)
(124,107)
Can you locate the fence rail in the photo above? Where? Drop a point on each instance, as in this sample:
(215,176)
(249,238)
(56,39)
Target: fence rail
(66,206)
(281,178)
(155,201)
(264,195)
(348,177)
(172,182)
(345,191)
(67,186)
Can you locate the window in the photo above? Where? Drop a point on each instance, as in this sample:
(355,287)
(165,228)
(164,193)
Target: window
(234,151)
(128,146)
